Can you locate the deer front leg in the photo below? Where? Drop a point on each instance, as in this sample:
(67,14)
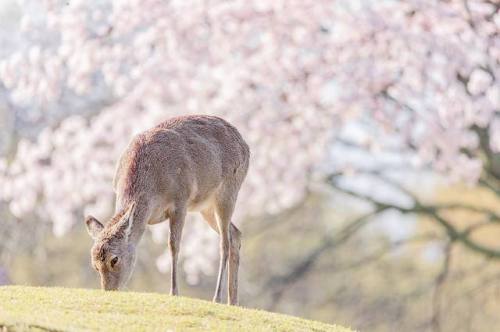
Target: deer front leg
(176,224)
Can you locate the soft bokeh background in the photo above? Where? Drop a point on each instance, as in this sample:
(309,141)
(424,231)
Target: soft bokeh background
(373,197)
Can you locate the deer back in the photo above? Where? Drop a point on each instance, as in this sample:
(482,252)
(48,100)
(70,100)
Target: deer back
(183,159)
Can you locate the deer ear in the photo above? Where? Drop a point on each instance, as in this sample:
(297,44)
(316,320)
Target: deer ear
(127,221)
(94,227)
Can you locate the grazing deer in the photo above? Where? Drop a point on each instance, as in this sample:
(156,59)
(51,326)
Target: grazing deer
(188,163)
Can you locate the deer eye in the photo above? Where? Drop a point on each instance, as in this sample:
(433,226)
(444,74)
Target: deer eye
(114,261)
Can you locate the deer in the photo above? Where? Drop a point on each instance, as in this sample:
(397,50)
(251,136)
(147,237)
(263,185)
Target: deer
(193,163)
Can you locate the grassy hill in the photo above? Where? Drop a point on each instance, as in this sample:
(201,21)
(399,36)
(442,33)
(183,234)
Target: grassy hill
(65,309)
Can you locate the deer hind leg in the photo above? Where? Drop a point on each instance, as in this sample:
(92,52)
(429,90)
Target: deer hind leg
(223,226)
(229,242)
(234,263)
(234,257)
(176,224)
(210,218)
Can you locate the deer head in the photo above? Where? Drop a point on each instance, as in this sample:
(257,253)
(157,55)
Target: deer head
(113,255)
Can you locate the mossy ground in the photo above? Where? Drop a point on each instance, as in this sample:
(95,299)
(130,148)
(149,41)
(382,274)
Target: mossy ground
(66,309)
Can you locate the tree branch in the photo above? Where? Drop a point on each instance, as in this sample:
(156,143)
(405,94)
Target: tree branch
(279,284)
(440,280)
(380,252)
(432,211)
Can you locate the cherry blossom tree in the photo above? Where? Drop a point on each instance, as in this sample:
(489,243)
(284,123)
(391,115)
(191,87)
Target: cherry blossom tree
(295,76)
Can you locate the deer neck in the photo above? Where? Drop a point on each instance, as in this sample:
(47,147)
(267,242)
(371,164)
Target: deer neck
(139,220)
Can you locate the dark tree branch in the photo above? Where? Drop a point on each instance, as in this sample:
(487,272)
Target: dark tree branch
(379,253)
(490,184)
(438,289)
(279,284)
(433,212)
(257,228)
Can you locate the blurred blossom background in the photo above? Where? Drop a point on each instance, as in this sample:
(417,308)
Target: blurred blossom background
(373,196)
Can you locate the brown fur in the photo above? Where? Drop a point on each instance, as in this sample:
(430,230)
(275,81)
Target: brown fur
(187,163)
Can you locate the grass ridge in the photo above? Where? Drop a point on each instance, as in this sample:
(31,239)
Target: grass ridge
(73,309)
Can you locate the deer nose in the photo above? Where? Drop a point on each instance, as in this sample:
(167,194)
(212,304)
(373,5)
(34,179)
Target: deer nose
(108,286)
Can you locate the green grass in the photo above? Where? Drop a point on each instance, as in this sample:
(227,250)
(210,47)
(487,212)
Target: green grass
(65,309)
